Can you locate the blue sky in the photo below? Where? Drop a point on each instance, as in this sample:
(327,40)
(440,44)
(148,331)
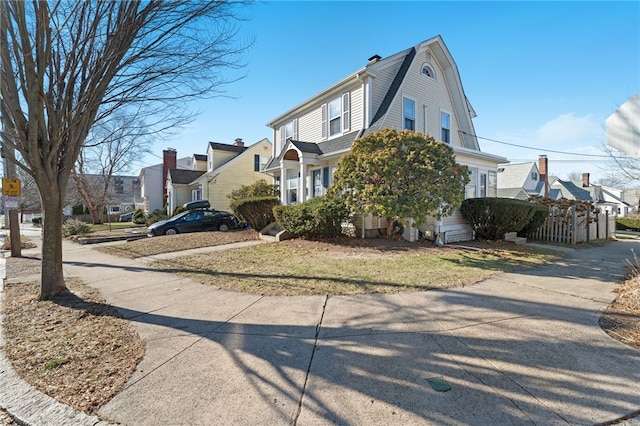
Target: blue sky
(542,74)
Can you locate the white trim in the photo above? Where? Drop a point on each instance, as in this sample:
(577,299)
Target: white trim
(431,68)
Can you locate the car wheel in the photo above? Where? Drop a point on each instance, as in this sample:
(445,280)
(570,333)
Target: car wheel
(171,231)
(224,227)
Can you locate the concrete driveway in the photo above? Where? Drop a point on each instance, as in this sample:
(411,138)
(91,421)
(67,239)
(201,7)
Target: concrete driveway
(519,348)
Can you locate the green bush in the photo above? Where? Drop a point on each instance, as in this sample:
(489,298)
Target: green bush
(178,210)
(539,216)
(156,216)
(138,217)
(75,227)
(320,217)
(256,211)
(628,223)
(491,218)
(257,189)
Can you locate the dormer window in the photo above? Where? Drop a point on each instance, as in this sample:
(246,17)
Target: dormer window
(428,71)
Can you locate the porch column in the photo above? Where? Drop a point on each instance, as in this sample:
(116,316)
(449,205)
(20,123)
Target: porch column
(302,182)
(283,184)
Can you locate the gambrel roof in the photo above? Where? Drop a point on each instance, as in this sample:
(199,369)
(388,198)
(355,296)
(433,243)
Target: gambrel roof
(403,60)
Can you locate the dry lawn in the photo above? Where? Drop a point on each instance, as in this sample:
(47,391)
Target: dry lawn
(351,266)
(172,243)
(75,348)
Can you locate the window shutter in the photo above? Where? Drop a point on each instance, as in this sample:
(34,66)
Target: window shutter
(346,116)
(324,121)
(325,177)
(256,163)
(281,147)
(295,129)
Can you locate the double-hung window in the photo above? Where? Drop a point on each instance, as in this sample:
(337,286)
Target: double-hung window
(336,117)
(409,113)
(445,124)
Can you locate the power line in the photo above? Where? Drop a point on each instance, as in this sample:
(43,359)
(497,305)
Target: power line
(543,150)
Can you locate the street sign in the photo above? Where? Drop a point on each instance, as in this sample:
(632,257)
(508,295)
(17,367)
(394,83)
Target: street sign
(11,187)
(10,202)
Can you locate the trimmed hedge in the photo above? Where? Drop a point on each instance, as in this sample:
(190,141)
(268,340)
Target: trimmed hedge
(256,211)
(628,223)
(320,217)
(491,218)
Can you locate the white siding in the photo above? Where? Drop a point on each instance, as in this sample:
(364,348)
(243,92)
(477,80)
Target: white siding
(381,84)
(310,125)
(429,92)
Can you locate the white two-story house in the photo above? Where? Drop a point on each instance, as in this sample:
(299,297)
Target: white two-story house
(417,89)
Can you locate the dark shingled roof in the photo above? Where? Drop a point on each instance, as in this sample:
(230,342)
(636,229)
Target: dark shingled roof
(181,176)
(200,157)
(226,147)
(308,147)
(338,144)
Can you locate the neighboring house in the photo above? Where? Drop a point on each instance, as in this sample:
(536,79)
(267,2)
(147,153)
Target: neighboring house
(631,197)
(418,89)
(122,195)
(524,180)
(153,178)
(605,199)
(224,168)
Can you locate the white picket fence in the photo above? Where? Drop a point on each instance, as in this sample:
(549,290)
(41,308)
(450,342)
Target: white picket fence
(572,227)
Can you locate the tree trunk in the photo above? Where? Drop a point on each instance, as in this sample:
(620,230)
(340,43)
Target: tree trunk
(389,226)
(52,277)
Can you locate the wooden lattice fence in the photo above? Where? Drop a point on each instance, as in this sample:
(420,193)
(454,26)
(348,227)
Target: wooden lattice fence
(571,226)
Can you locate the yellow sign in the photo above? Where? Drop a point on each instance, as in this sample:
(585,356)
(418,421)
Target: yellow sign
(11,187)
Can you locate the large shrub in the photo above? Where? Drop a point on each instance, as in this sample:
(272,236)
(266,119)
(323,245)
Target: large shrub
(138,217)
(628,223)
(491,218)
(257,189)
(318,217)
(75,227)
(256,211)
(156,216)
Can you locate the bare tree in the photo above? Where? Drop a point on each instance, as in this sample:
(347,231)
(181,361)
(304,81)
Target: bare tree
(624,169)
(111,149)
(67,65)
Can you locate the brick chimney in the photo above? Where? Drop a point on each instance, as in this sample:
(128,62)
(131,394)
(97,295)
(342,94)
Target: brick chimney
(239,142)
(374,59)
(585,180)
(543,168)
(169,161)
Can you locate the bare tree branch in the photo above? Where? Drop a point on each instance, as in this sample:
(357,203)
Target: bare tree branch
(68,66)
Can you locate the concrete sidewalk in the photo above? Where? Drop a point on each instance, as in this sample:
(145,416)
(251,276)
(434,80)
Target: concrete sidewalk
(520,348)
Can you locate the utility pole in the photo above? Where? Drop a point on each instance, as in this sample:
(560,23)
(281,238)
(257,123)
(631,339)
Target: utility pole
(10,172)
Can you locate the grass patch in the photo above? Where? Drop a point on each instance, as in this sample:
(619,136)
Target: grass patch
(300,267)
(171,243)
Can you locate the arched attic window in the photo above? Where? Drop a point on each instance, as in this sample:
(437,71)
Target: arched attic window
(428,70)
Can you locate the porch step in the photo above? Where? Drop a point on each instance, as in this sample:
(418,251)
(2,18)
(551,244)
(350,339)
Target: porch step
(512,237)
(274,232)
